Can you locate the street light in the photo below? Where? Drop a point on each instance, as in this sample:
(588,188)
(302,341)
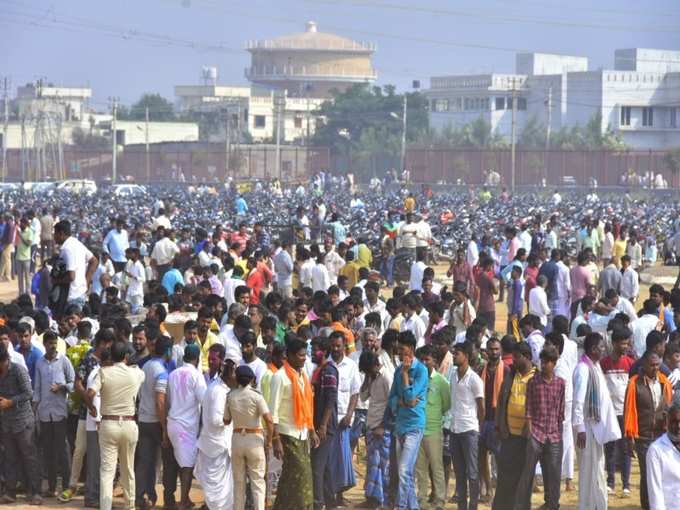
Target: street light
(403,116)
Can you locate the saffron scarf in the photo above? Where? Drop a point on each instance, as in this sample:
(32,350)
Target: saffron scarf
(630,425)
(591,407)
(302,398)
(497,383)
(272,367)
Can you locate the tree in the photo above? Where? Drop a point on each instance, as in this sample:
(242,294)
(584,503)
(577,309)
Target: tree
(366,121)
(88,141)
(160,109)
(672,161)
(532,135)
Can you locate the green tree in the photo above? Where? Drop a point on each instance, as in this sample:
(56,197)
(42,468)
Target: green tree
(367,121)
(88,141)
(160,109)
(532,135)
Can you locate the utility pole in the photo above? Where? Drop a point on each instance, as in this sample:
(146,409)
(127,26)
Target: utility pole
(146,143)
(512,136)
(227,139)
(114,145)
(547,131)
(5,128)
(403,134)
(279,104)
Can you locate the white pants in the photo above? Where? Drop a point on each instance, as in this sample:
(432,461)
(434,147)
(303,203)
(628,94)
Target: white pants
(78,453)
(592,482)
(215,476)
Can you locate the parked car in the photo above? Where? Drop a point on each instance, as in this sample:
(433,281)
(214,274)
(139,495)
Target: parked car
(128,190)
(78,186)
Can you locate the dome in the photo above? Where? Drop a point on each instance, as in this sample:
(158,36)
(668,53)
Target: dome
(311,39)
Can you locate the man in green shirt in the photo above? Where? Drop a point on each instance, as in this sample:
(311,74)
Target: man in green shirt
(23,256)
(430,458)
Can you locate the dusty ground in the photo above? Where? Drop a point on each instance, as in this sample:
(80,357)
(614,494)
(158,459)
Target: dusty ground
(568,501)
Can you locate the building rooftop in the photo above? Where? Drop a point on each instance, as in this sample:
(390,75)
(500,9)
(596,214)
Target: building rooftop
(311,39)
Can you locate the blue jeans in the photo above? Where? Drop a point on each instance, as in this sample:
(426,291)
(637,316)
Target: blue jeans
(358,429)
(387,270)
(408,446)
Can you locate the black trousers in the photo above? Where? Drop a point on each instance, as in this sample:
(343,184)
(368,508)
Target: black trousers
(324,495)
(20,450)
(150,436)
(55,455)
(550,456)
(641,447)
(510,459)
(170,474)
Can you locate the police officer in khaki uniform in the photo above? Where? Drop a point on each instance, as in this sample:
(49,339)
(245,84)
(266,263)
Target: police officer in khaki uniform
(248,410)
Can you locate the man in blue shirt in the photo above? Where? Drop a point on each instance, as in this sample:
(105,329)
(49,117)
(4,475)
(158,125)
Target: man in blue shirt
(407,401)
(115,243)
(29,351)
(241,206)
(172,278)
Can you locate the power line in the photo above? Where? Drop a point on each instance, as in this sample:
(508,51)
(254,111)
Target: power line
(481,14)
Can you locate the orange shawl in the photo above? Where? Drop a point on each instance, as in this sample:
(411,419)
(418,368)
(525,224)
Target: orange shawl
(630,414)
(272,367)
(497,382)
(302,398)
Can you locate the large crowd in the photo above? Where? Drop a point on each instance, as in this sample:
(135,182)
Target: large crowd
(276,344)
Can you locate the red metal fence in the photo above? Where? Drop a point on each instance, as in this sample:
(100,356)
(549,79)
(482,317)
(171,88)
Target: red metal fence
(556,166)
(175,164)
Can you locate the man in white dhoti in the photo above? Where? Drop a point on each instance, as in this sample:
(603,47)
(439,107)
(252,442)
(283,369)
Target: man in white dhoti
(594,421)
(563,285)
(663,465)
(186,387)
(213,464)
(565,369)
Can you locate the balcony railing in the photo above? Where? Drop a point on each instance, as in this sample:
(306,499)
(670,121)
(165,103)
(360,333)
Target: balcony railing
(317,44)
(312,72)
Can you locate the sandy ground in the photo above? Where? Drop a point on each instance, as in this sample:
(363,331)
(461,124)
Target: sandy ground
(568,501)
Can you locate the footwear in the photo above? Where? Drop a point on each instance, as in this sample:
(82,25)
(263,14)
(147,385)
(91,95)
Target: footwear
(626,493)
(610,490)
(49,494)
(6,499)
(65,496)
(36,500)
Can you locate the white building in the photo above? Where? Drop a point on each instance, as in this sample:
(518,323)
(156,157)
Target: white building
(639,99)
(69,102)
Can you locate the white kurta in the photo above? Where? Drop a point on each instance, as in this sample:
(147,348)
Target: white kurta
(592,483)
(563,285)
(186,387)
(213,464)
(663,474)
(565,369)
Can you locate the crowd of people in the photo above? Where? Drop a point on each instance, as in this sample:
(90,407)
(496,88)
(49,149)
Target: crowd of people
(278,370)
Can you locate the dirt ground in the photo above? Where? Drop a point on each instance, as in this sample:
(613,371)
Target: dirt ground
(568,501)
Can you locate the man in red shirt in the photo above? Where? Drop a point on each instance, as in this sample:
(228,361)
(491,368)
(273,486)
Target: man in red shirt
(487,289)
(616,368)
(241,237)
(257,279)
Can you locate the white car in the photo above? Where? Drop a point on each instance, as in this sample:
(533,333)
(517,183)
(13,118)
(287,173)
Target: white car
(78,186)
(8,187)
(128,190)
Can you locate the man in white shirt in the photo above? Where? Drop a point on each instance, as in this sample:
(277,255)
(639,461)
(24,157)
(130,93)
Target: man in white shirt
(164,251)
(594,422)
(408,235)
(621,304)
(80,263)
(530,326)
(538,300)
(644,325)
(186,387)
(412,322)
(630,282)
(472,252)
(467,394)
(663,465)
(349,385)
(213,463)
(161,221)
(525,238)
(563,289)
(424,235)
(248,344)
(306,269)
(333,260)
(320,277)
(417,271)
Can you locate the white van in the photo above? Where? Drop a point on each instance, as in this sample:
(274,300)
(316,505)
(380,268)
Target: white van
(78,186)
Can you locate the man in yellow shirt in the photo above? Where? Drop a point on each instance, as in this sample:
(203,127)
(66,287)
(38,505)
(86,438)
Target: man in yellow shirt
(410,203)
(511,424)
(205,336)
(350,270)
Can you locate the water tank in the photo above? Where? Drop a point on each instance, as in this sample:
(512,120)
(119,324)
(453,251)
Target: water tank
(209,75)
(310,26)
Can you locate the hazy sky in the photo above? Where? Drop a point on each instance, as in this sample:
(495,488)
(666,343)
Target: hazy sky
(127,47)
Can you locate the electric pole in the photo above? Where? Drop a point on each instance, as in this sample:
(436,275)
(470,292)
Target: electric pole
(512,136)
(114,145)
(5,129)
(403,134)
(549,107)
(146,143)
(227,148)
(279,103)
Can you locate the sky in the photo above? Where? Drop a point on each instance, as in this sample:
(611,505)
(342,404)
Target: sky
(124,48)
